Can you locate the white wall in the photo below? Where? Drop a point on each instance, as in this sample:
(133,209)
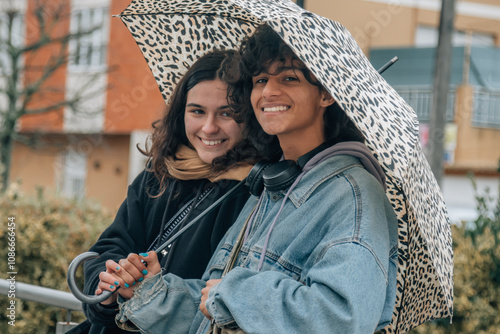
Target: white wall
(459,195)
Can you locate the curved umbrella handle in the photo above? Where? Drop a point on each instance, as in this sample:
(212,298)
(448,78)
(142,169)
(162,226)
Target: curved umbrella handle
(72,282)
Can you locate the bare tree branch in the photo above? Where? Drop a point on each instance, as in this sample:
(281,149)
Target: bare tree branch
(20,61)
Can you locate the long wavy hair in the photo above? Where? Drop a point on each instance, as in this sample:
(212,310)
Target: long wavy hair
(169,131)
(257,52)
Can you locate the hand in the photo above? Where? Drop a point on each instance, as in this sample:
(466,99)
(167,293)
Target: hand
(204,296)
(126,273)
(123,274)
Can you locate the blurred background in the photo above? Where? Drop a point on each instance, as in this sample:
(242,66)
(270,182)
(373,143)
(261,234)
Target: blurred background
(77,97)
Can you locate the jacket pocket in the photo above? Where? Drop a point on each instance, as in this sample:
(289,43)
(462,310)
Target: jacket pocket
(220,259)
(272,262)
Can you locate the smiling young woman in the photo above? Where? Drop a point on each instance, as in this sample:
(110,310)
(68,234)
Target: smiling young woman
(210,126)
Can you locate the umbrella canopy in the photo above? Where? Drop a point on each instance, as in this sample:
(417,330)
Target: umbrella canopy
(173,34)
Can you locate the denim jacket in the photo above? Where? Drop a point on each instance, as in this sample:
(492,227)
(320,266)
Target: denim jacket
(330,264)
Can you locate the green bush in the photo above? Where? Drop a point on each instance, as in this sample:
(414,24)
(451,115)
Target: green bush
(48,235)
(476,273)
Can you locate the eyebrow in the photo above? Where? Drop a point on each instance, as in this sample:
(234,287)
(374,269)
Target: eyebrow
(282,69)
(287,68)
(196,105)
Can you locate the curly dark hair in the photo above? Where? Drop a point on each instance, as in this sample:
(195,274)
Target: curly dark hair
(169,131)
(257,52)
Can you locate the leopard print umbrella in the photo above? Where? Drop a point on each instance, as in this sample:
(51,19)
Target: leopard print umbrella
(173,34)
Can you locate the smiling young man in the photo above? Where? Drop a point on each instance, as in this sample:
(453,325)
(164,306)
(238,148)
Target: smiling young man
(316,256)
(287,105)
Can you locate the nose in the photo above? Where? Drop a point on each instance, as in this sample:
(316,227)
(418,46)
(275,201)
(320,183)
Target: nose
(210,125)
(271,89)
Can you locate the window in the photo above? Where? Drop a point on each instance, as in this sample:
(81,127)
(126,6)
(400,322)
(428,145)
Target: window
(486,109)
(420,99)
(16,36)
(74,173)
(89,50)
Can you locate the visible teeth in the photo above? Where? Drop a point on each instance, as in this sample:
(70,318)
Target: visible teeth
(275,109)
(211,142)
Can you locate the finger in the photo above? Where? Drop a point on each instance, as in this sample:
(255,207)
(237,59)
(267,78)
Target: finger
(128,273)
(131,268)
(108,281)
(153,265)
(112,266)
(203,307)
(104,286)
(114,271)
(112,297)
(136,261)
(212,282)
(126,293)
(205,290)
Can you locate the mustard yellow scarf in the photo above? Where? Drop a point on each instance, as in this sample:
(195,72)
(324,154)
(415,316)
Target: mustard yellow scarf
(187,165)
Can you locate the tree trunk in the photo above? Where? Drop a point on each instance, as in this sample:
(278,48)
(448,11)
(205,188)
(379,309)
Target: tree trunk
(435,147)
(6,142)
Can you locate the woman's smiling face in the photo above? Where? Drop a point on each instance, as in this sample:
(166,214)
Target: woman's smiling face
(210,127)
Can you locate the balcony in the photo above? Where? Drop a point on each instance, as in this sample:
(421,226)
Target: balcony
(412,77)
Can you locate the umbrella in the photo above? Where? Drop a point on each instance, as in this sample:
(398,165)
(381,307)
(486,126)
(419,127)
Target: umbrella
(173,34)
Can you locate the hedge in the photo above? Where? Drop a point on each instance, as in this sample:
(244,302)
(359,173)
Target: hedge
(48,235)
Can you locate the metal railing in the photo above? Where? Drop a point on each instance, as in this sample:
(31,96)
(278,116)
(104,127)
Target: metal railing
(486,113)
(486,109)
(420,99)
(45,296)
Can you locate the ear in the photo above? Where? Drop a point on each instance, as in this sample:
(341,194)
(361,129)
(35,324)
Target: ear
(326,99)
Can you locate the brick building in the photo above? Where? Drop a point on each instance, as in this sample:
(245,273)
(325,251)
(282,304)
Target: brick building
(92,154)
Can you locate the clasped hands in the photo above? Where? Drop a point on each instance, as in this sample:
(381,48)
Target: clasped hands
(126,273)
(133,269)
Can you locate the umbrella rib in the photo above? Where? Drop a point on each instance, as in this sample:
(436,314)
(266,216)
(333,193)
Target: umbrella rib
(187,14)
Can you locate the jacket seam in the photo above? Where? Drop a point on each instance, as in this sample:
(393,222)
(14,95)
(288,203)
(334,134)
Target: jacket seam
(358,205)
(358,212)
(302,199)
(361,243)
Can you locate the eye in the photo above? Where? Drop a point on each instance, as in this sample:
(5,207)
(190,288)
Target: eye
(260,80)
(226,114)
(196,111)
(290,78)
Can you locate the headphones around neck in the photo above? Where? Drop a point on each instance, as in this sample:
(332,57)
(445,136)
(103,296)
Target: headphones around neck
(273,176)
(277,176)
